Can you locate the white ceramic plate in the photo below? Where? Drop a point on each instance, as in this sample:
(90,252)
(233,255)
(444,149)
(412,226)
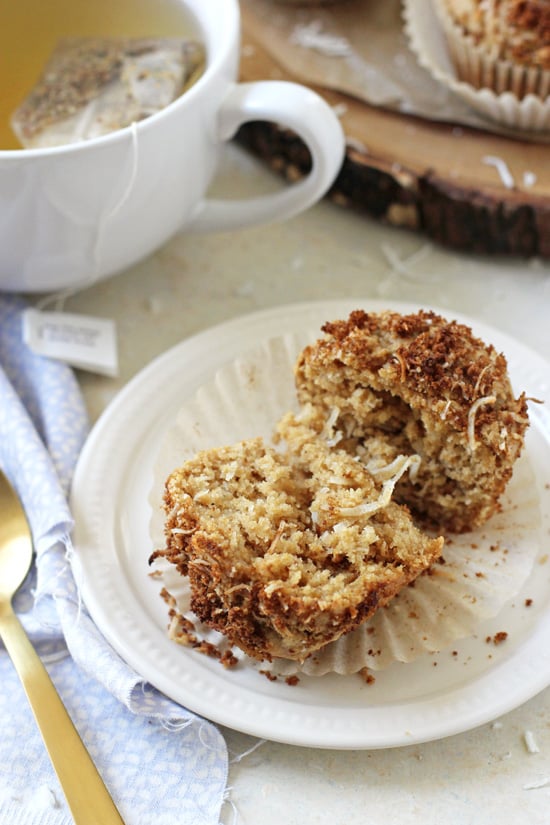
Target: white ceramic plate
(434,696)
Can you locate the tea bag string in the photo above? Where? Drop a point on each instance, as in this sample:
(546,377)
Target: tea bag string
(105,218)
(58,299)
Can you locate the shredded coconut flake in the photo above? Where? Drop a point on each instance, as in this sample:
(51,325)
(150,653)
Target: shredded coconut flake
(486,399)
(394,260)
(404,266)
(481,377)
(236,587)
(443,414)
(538,783)
(414,467)
(311,36)
(503,437)
(357,145)
(340,526)
(502,168)
(339,109)
(203,562)
(338,481)
(370,507)
(530,742)
(331,435)
(389,470)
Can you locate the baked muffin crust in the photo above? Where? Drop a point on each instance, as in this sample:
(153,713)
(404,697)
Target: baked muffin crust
(417,384)
(287,551)
(515,30)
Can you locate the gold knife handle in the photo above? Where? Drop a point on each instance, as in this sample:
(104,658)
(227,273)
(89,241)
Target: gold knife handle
(87,796)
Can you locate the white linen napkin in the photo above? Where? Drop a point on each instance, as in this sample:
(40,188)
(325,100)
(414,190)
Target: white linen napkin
(162,764)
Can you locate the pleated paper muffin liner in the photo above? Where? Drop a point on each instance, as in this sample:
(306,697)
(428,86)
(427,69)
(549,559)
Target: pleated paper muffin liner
(482,570)
(515,95)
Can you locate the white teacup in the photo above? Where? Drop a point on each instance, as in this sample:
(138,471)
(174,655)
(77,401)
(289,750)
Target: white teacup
(77,213)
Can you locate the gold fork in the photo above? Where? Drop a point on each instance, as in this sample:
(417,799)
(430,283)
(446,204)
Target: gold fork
(86,795)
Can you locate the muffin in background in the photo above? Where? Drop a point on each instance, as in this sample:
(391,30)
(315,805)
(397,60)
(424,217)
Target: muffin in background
(503,45)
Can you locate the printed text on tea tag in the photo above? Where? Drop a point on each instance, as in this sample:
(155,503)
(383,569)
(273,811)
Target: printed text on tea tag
(82,341)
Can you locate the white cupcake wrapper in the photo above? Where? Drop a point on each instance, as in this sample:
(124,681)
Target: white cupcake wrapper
(430,35)
(483,569)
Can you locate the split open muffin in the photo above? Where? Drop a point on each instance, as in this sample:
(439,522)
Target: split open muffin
(287,550)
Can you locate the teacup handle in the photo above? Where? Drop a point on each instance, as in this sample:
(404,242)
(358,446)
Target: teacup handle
(304,112)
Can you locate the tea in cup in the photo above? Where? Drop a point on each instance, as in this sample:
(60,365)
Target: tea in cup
(75,212)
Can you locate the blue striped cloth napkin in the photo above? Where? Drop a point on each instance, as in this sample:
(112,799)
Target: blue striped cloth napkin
(162,764)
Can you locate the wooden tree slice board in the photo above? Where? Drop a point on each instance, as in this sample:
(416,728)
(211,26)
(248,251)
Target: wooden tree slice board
(424,175)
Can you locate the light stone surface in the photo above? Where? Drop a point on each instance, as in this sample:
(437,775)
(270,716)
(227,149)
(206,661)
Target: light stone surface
(483,776)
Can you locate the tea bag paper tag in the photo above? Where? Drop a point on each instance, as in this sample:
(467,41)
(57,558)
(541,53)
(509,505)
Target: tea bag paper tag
(82,341)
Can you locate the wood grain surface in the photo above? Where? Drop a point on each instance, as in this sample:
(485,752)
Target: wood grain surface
(431,177)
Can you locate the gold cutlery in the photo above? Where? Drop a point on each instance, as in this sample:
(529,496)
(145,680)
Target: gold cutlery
(87,796)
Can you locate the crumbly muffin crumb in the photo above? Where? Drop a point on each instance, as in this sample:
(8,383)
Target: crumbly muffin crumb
(420,385)
(287,551)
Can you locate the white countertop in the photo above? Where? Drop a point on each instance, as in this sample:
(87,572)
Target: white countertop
(197,281)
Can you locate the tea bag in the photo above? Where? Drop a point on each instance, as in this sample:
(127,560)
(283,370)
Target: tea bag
(93,86)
